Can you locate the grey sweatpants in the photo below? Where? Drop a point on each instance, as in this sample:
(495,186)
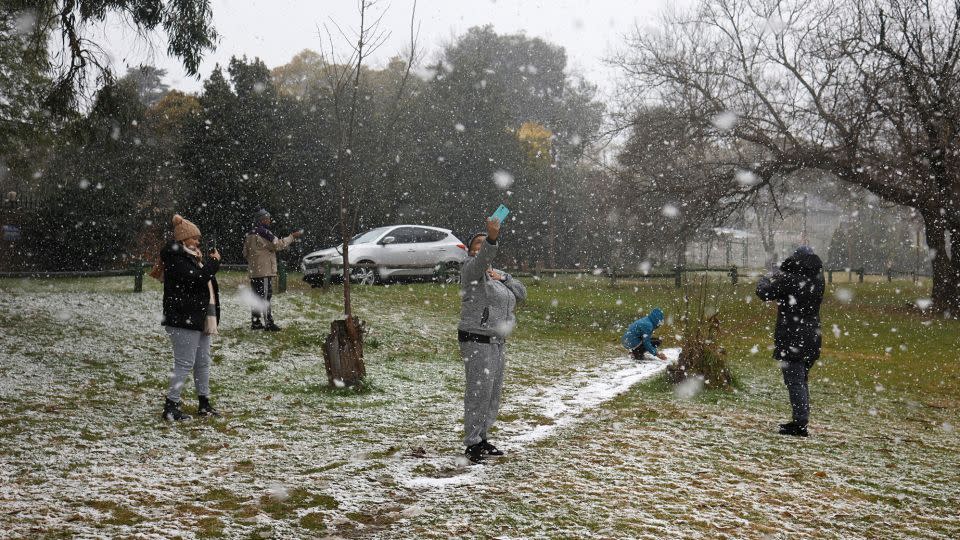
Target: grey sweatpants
(795,375)
(484,365)
(191,352)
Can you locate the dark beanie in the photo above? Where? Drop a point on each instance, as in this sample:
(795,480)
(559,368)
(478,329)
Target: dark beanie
(474,237)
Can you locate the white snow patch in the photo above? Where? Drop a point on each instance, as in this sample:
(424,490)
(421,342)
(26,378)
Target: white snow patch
(562,403)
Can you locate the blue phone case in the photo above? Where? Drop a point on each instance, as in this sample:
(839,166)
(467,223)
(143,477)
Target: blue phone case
(501,213)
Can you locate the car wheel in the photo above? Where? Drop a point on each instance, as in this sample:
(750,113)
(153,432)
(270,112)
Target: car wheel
(449,273)
(364,275)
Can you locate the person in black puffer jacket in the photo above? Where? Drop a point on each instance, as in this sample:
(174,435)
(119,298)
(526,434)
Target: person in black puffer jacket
(191,313)
(797,288)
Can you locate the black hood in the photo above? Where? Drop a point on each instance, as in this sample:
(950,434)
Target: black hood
(803,263)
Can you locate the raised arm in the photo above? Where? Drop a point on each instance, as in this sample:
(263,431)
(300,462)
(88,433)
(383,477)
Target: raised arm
(770,287)
(184,269)
(474,269)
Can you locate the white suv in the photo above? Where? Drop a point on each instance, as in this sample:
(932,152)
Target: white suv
(397,251)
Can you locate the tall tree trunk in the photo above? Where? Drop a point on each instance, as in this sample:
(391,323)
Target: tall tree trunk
(765,225)
(946,263)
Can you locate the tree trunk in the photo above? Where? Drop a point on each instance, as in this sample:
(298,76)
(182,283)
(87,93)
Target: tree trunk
(946,265)
(343,353)
(767,238)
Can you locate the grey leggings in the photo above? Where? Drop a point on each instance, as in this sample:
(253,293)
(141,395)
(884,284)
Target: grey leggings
(191,352)
(795,375)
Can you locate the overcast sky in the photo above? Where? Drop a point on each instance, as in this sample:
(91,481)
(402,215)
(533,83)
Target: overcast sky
(275,30)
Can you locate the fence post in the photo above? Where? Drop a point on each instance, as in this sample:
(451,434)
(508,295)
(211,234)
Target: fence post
(678,276)
(829,276)
(138,277)
(282,276)
(889,274)
(327,274)
(613,276)
(733,274)
(860,275)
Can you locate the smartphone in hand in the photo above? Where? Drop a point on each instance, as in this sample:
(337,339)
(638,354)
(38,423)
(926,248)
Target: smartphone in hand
(501,213)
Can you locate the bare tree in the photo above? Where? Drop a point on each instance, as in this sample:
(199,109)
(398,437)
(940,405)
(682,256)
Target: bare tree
(345,84)
(865,90)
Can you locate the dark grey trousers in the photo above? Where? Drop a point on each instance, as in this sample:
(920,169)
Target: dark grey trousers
(263,287)
(483,365)
(795,376)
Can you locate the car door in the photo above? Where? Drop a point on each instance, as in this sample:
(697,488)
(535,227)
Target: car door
(400,251)
(428,249)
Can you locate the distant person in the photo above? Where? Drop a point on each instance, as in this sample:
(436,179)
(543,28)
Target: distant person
(260,249)
(638,339)
(797,288)
(488,299)
(191,313)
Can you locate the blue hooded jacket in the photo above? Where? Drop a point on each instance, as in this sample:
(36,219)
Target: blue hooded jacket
(641,331)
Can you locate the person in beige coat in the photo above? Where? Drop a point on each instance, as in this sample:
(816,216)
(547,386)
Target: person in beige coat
(260,249)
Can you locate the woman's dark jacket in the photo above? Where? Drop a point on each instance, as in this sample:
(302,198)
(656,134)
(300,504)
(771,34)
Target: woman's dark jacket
(798,290)
(185,292)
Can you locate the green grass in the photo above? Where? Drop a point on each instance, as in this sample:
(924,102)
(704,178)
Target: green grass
(886,394)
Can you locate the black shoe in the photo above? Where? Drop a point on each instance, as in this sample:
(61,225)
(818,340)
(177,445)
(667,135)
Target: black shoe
(172,412)
(488,449)
(474,453)
(794,429)
(205,409)
(256,325)
(271,327)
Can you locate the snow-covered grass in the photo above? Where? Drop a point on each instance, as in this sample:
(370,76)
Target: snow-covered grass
(593,450)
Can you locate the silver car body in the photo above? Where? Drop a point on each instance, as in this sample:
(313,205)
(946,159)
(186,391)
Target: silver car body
(392,247)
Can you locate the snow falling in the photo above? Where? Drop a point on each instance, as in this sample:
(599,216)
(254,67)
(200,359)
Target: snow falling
(719,298)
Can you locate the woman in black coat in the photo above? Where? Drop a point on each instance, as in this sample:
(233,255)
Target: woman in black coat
(191,312)
(797,288)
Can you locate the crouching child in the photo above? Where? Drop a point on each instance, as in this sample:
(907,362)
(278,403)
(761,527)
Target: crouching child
(639,339)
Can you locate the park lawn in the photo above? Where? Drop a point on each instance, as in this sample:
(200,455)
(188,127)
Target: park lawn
(84,364)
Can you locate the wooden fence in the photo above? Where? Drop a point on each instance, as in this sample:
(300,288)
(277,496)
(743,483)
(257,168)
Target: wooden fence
(447,273)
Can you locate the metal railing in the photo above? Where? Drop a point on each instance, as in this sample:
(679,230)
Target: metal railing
(678,273)
(136,270)
(446,271)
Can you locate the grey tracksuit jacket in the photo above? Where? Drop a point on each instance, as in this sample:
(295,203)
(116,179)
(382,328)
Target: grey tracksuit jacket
(487,305)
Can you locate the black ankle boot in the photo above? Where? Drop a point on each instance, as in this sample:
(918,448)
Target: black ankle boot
(205,409)
(172,412)
(475,453)
(489,449)
(794,429)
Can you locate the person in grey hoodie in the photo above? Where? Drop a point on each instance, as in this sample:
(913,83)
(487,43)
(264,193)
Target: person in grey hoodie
(488,299)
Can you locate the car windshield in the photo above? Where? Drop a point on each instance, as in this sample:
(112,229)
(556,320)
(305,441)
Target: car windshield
(369,236)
